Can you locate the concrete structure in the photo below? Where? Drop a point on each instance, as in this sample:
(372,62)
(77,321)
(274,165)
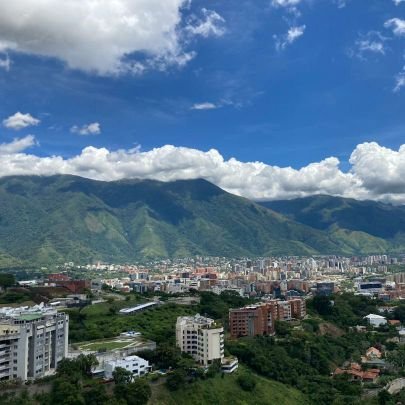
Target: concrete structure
(136,365)
(33,340)
(370,287)
(200,337)
(229,365)
(260,319)
(253,320)
(138,308)
(376,320)
(284,310)
(298,308)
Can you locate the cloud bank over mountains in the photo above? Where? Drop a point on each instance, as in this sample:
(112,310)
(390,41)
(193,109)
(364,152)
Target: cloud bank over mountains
(376,172)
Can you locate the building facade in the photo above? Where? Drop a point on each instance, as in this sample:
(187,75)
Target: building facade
(32,342)
(200,337)
(136,365)
(260,319)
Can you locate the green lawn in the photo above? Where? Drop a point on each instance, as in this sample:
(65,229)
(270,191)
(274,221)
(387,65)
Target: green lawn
(227,391)
(104,344)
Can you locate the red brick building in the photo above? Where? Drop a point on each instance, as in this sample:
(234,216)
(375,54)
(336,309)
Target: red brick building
(260,319)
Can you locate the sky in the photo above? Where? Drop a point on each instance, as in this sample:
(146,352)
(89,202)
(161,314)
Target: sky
(268,99)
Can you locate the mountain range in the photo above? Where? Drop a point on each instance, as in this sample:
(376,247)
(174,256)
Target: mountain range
(51,220)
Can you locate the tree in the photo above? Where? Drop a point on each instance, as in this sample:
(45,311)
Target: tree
(397,357)
(122,376)
(214,368)
(322,305)
(6,280)
(247,381)
(384,398)
(96,395)
(66,393)
(134,393)
(176,380)
(86,363)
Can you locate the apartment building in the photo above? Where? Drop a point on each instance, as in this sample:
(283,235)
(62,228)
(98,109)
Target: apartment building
(253,320)
(260,319)
(200,337)
(298,308)
(135,364)
(32,341)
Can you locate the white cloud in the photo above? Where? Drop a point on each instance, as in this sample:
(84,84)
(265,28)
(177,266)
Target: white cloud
(212,24)
(365,45)
(369,43)
(20,121)
(400,81)
(88,129)
(376,172)
(397,25)
(291,36)
(204,106)
(398,2)
(17,145)
(5,63)
(102,36)
(285,3)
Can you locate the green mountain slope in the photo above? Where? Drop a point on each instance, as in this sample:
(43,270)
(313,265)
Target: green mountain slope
(227,391)
(365,226)
(55,219)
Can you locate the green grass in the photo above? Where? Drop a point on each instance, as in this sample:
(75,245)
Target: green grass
(227,391)
(97,322)
(104,344)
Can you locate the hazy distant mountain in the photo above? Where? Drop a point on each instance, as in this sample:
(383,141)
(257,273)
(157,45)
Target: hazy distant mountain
(65,218)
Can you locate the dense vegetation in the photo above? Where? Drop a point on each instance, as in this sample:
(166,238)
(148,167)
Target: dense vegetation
(346,219)
(64,218)
(227,391)
(102,321)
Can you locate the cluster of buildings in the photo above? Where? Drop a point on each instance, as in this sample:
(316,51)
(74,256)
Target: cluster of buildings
(271,277)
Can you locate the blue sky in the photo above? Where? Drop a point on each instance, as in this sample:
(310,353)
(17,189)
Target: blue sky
(283,82)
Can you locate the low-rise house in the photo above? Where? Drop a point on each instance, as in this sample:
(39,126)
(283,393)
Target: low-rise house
(357,374)
(376,320)
(394,322)
(135,364)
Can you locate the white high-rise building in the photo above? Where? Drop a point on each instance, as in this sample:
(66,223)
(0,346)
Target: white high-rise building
(200,337)
(32,341)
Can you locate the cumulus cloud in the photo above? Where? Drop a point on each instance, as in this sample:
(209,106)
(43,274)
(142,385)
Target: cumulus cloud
(103,36)
(291,36)
(20,121)
(398,2)
(88,129)
(212,24)
(397,25)
(17,145)
(376,172)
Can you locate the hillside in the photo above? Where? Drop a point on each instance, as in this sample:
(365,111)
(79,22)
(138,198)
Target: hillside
(55,219)
(227,391)
(341,217)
